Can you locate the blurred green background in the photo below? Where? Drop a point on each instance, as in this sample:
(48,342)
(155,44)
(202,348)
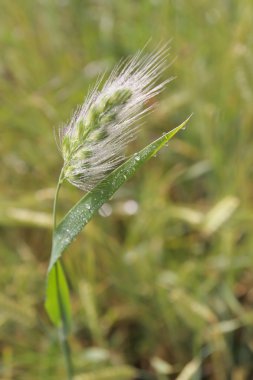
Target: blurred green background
(162,278)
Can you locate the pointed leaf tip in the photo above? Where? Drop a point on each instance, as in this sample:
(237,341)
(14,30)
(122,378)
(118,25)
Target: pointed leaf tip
(76,219)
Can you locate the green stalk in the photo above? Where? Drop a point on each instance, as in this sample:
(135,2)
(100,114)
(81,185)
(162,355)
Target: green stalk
(63,329)
(61,179)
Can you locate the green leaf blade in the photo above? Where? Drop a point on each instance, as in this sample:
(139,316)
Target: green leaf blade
(58,301)
(76,219)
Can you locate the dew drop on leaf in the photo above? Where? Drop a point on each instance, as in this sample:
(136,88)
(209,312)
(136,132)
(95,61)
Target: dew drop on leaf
(136,157)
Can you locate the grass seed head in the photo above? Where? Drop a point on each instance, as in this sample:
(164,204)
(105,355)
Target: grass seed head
(94,141)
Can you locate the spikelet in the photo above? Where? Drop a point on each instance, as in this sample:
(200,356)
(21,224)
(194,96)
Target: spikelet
(94,141)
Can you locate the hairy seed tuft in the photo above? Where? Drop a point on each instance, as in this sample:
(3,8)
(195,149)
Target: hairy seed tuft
(94,142)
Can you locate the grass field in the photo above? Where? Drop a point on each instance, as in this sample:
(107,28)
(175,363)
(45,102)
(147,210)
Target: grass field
(162,282)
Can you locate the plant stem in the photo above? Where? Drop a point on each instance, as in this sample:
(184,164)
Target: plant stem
(63,330)
(61,179)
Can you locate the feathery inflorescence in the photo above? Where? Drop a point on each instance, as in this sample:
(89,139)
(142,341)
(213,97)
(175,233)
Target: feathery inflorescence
(94,141)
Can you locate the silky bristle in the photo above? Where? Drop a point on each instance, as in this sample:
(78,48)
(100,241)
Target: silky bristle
(94,141)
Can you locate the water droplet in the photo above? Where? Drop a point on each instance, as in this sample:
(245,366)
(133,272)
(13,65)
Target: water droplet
(66,240)
(136,157)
